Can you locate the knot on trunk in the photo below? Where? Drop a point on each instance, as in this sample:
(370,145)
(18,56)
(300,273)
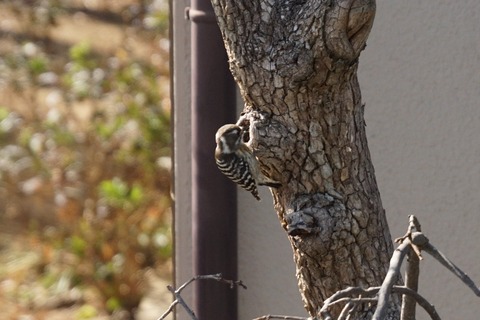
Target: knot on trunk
(313,215)
(347,26)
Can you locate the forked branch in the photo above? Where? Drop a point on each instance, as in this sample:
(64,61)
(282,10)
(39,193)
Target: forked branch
(412,243)
(357,295)
(179,300)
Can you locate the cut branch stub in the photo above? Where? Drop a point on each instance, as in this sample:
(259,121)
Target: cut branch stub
(311,217)
(348,25)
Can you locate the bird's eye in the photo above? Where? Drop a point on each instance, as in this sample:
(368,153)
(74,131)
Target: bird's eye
(245,136)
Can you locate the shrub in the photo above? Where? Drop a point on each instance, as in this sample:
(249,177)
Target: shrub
(84,159)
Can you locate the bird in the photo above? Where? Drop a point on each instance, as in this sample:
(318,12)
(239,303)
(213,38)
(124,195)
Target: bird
(236,160)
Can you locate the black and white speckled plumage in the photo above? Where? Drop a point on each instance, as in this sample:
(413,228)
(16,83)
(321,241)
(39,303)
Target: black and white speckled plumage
(237,161)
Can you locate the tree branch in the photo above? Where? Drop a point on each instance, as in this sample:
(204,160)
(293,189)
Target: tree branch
(440,257)
(427,306)
(412,271)
(353,296)
(179,300)
(420,242)
(411,281)
(345,295)
(365,294)
(268,317)
(390,279)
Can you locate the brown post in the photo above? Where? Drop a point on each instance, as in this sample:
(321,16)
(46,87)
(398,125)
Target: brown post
(214,214)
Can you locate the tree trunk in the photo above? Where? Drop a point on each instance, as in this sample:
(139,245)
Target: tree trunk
(295,62)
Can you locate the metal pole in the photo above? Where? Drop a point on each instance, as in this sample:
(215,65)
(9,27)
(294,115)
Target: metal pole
(214,216)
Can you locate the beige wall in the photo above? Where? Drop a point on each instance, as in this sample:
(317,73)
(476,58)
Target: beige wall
(265,261)
(182,149)
(420,80)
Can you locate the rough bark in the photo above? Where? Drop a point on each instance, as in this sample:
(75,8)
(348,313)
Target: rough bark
(295,62)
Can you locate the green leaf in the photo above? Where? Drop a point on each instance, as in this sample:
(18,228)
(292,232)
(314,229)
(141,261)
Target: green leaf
(113,304)
(77,245)
(87,311)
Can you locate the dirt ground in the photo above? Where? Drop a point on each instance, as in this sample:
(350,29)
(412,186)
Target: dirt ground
(18,257)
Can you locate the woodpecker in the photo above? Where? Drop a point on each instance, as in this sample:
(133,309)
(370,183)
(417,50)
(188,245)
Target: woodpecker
(236,160)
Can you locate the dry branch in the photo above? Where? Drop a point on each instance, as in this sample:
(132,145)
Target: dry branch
(415,240)
(390,279)
(353,296)
(367,296)
(179,300)
(281,317)
(419,241)
(412,271)
(440,257)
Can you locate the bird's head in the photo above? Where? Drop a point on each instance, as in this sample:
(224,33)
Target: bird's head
(228,138)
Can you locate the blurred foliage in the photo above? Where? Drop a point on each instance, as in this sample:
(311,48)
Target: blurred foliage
(85,147)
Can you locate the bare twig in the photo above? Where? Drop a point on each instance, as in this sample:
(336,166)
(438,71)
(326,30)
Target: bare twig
(347,310)
(427,306)
(355,300)
(345,296)
(415,240)
(179,300)
(390,279)
(420,242)
(412,271)
(440,257)
(268,317)
(353,296)
(412,224)
(411,281)
(414,227)
(366,296)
